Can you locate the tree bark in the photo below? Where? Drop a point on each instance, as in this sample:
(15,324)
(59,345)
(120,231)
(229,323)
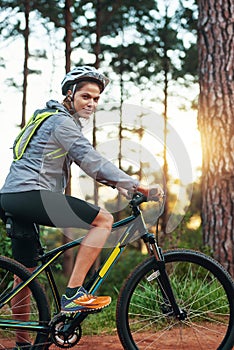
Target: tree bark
(68,257)
(26,57)
(216,124)
(164,217)
(68,33)
(97,52)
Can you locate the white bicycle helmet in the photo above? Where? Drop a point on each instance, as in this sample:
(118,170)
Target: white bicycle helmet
(80,73)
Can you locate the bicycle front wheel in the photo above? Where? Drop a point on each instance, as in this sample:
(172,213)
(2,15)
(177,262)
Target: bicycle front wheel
(203,290)
(22,318)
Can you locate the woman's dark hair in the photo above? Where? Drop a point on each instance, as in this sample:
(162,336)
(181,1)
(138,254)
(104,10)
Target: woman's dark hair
(84,81)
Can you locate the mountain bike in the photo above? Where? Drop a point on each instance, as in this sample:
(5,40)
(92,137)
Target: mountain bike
(170,299)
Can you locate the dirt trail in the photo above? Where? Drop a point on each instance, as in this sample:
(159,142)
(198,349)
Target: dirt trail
(112,342)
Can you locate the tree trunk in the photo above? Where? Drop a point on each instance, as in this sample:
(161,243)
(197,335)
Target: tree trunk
(68,257)
(216,124)
(97,52)
(97,48)
(166,70)
(26,56)
(164,217)
(68,33)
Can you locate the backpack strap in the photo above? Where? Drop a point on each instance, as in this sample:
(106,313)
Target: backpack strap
(24,137)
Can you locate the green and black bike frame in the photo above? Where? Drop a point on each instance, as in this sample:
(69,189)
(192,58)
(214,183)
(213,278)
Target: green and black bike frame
(132,224)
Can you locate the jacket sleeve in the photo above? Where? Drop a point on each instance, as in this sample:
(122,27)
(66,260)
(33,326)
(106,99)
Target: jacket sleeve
(69,135)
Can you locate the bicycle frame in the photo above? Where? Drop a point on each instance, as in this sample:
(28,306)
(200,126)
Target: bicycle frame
(133,223)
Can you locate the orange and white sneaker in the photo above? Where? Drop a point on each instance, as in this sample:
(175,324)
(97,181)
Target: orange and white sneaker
(82,301)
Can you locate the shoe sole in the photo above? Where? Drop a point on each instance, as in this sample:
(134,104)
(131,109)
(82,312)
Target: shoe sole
(90,311)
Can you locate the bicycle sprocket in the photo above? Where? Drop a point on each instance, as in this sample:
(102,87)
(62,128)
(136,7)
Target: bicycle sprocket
(59,334)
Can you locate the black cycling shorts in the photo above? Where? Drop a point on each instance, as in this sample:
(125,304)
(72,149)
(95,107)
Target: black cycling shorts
(43,208)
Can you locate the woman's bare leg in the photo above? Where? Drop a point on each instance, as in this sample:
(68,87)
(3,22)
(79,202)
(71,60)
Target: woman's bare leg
(91,247)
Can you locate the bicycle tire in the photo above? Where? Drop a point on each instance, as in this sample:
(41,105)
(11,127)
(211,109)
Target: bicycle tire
(39,309)
(202,288)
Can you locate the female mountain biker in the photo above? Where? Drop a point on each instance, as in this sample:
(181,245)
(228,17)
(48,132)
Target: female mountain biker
(34,188)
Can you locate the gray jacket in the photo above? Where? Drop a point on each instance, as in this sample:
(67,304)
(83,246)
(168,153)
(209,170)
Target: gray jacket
(53,148)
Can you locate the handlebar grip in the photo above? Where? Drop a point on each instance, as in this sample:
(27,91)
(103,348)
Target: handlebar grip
(137,199)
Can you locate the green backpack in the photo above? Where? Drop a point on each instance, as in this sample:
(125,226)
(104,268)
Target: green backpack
(25,135)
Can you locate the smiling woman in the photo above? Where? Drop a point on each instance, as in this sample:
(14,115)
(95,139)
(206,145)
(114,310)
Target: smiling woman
(85,98)
(34,189)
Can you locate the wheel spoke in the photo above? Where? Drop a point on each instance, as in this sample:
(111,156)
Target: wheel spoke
(149,321)
(23,309)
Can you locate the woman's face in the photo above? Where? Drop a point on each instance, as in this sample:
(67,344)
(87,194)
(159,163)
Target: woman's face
(86,100)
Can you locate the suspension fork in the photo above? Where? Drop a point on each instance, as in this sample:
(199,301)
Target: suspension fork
(162,277)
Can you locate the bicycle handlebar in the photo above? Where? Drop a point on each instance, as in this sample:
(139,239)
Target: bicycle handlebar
(137,199)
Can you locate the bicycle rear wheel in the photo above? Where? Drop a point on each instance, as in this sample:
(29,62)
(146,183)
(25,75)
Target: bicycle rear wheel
(33,303)
(203,290)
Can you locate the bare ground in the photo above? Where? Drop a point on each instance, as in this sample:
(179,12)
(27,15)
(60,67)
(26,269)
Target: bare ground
(112,342)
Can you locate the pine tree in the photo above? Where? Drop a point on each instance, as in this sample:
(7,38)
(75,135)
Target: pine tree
(216,116)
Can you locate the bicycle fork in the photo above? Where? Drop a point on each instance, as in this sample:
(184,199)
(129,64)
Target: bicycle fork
(170,306)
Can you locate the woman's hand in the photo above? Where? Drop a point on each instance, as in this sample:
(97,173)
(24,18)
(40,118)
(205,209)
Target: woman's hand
(124,192)
(152,193)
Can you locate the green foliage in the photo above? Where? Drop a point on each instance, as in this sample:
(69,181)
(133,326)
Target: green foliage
(190,61)
(105,320)
(139,37)
(184,236)
(196,200)
(50,10)
(128,261)
(193,286)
